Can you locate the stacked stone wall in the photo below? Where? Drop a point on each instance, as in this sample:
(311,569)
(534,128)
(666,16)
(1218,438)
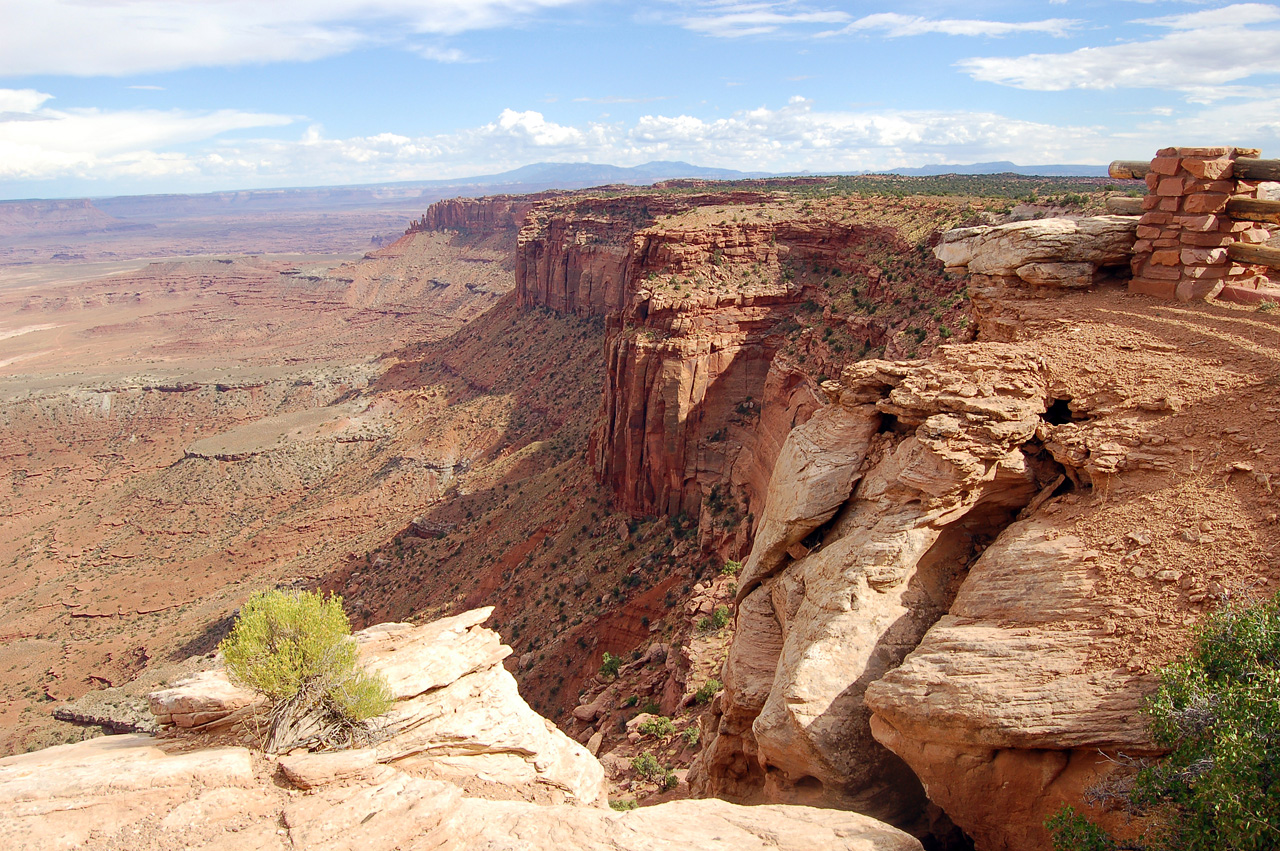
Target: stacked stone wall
(1184,232)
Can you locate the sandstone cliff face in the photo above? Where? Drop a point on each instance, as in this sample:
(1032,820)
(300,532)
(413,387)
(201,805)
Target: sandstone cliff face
(971,567)
(702,298)
(486,215)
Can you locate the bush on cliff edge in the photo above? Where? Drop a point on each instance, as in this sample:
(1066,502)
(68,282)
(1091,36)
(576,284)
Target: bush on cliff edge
(1217,713)
(297,650)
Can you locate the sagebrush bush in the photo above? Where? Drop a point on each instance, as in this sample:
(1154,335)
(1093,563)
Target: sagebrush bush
(611,665)
(296,649)
(1217,712)
(647,767)
(707,691)
(658,726)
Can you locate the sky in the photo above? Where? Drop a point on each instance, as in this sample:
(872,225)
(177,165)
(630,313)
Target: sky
(110,97)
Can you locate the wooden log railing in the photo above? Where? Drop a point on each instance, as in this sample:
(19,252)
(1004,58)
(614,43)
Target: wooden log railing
(1254,210)
(1262,255)
(1245,167)
(1122,205)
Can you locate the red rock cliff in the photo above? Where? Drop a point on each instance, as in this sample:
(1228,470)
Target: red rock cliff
(704,292)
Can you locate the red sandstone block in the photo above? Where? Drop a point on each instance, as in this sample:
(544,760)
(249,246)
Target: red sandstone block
(1143,246)
(1170,204)
(1251,153)
(1210,240)
(1227,186)
(1170,187)
(1254,235)
(1155,217)
(1153,180)
(1191,290)
(1237,227)
(1211,256)
(1159,289)
(1214,169)
(1204,272)
(1170,232)
(1200,223)
(1212,153)
(1149,232)
(1149,203)
(1165,258)
(1169,242)
(1205,202)
(1162,273)
(1165,165)
(1167,152)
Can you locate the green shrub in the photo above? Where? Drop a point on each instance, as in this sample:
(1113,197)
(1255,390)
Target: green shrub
(623,806)
(1217,712)
(720,617)
(646,767)
(611,665)
(708,691)
(691,735)
(659,726)
(731,568)
(296,649)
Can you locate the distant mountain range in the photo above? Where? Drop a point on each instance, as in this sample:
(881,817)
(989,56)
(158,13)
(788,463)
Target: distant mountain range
(1005,167)
(411,197)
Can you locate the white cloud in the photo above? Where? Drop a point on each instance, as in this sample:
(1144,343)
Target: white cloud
(136,36)
(895,25)
(735,19)
(21,100)
(187,152)
(1200,54)
(39,142)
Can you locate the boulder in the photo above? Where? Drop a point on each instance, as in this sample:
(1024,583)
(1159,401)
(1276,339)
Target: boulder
(204,698)
(1043,253)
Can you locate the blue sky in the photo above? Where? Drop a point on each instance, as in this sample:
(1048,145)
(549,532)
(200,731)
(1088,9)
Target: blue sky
(105,97)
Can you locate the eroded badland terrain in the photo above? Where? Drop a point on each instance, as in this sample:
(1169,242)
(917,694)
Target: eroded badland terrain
(876,534)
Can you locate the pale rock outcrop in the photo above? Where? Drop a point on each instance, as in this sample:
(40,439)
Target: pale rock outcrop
(1062,253)
(124,792)
(998,709)
(203,698)
(909,466)
(457,710)
(62,797)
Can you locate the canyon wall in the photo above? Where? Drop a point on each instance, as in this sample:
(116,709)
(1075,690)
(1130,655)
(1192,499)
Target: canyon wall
(701,298)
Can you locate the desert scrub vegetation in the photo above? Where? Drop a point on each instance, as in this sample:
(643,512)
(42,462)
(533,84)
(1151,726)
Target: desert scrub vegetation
(659,727)
(707,691)
(610,666)
(1217,713)
(296,649)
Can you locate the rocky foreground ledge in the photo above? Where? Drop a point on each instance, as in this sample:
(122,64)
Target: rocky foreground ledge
(468,765)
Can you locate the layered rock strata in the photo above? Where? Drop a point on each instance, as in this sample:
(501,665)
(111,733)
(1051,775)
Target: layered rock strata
(697,309)
(876,507)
